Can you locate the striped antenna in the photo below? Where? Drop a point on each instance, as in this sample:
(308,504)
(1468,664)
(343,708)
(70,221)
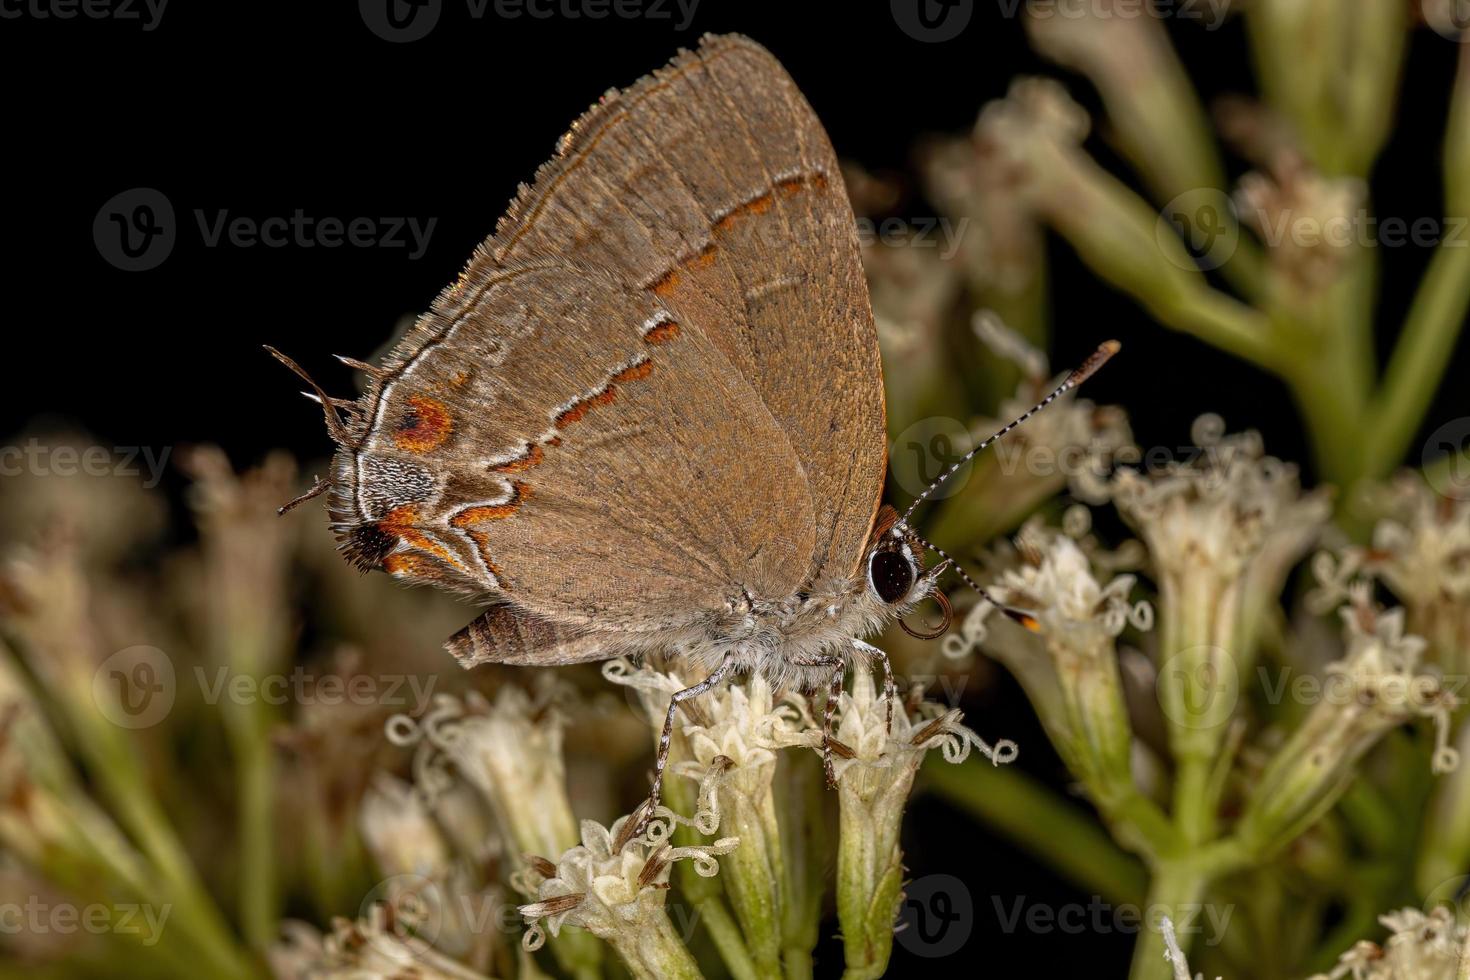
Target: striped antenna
(1087,370)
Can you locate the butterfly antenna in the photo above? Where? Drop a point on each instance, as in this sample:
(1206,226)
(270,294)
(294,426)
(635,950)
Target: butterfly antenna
(1019,615)
(1087,370)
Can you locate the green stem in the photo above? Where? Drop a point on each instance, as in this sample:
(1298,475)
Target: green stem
(1419,360)
(1173,887)
(1049,827)
(256,809)
(725,934)
(119,774)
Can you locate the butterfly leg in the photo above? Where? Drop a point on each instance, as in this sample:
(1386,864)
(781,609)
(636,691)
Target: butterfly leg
(890,689)
(839,668)
(667,736)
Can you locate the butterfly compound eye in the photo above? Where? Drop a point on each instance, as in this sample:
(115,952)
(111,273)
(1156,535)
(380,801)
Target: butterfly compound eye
(890,575)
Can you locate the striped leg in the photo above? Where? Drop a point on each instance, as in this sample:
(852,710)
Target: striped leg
(890,689)
(662,759)
(839,667)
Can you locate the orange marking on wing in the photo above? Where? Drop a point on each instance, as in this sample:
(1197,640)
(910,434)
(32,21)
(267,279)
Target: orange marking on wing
(757,205)
(531,457)
(425,426)
(662,334)
(409,563)
(401,522)
(704,259)
(520,493)
(667,284)
(554,441)
(636,372)
(608,395)
(579,410)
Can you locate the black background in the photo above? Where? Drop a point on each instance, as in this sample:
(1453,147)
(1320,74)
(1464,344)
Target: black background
(260,109)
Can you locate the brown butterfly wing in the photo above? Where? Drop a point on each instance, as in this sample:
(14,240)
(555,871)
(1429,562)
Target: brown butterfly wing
(549,439)
(703,214)
(712,184)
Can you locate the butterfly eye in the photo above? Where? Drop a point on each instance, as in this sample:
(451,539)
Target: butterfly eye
(890,575)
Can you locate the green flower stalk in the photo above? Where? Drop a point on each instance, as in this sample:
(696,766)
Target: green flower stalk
(1070,670)
(1222,532)
(1375,688)
(732,749)
(246,552)
(1160,123)
(875,769)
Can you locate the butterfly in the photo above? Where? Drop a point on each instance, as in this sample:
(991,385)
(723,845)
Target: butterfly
(649,416)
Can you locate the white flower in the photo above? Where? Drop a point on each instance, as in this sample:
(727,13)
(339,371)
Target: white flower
(1423,946)
(615,886)
(1373,689)
(1069,667)
(510,750)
